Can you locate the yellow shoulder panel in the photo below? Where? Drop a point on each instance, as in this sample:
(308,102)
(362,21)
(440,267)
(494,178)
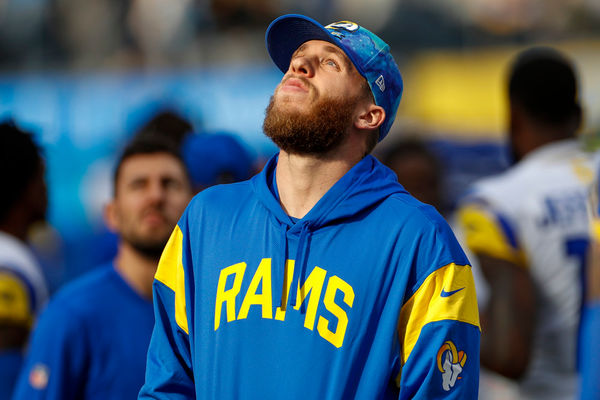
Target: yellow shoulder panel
(15,304)
(483,235)
(595,229)
(170,272)
(582,171)
(447,294)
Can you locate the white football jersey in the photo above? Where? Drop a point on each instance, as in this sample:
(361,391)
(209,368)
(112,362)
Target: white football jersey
(22,285)
(535,216)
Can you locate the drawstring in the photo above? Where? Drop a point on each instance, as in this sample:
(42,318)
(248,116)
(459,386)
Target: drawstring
(279,279)
(300,266)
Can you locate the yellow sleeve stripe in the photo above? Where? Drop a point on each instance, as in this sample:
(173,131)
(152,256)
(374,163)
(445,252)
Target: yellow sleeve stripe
(595,229)
(484,235)
(447,294)
(15,307)
(170,272)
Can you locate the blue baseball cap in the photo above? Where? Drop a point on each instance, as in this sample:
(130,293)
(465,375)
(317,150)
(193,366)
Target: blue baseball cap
(370,55)
(209,155)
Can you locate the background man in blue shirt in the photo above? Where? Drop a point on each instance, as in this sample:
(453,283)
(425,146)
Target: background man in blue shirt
(91,341)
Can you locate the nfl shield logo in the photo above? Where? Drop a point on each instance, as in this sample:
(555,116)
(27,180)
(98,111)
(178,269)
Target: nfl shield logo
(38,377)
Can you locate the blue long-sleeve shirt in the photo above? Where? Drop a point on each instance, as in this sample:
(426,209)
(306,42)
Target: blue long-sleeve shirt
(89,343)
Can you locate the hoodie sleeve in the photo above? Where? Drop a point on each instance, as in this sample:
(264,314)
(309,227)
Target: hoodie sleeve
(169,366)
(439,324)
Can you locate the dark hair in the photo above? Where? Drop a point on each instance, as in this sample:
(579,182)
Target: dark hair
(20,161)
(543,82)
(168,123)
(149,144)
(410,147)
(423,179)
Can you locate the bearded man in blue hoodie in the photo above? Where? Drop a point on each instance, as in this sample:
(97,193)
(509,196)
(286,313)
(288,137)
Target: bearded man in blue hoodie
(321,277)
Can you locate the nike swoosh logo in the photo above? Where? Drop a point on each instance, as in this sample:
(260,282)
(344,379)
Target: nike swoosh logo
(450,293)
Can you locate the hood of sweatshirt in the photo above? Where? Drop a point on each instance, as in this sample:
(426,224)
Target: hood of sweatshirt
(364,186)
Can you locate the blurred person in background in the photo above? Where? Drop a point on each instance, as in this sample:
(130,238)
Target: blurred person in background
(216,158)
(418,170)
(168,123)
(23,289)
(91,340)
(528,228)
(162,37)
(321,277)
(99,246)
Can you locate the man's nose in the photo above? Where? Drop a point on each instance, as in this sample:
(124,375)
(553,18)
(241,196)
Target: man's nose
(302,66)
(156,192)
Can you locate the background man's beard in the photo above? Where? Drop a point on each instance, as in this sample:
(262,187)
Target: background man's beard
(315,132)
(149,248)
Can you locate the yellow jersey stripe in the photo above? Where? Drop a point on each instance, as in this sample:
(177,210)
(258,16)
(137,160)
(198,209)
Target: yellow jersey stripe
(15,304)
(170,272)
(484,235)
(595,229)
(447,294)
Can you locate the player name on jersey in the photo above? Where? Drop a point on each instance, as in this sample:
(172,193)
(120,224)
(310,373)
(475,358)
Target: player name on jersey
(564,209)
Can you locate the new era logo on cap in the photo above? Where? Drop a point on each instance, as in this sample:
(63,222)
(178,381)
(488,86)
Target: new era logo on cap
(381,83)
(368,53)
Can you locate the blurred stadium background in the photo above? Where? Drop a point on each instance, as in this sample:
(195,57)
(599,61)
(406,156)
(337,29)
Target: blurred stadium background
(84,75)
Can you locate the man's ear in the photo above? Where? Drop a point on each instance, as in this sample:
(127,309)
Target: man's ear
(111,219)
(370,117)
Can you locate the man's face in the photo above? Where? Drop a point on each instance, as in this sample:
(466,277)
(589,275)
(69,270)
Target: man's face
(419,177)
(151,193)
(316,101)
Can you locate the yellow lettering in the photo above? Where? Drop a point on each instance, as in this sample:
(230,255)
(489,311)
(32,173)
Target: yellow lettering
(264,299)
(228,296)
(289,275)
(336,338)
(314,286)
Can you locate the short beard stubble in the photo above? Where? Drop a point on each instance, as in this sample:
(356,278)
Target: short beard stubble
(150,245)
(149,249)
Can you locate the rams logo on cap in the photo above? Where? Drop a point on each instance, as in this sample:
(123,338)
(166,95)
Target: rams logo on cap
(347,25)
(335,27)
(450,362)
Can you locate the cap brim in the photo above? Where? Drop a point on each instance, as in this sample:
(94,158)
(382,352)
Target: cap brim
(288,32)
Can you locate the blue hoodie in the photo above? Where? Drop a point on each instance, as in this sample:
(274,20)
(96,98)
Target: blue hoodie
(384,305)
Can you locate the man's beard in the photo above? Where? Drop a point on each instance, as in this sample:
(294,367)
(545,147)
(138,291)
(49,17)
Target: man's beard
(151,244)
(315,132)
(151,249)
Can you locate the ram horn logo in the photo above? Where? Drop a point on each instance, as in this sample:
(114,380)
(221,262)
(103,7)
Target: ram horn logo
(450,363)
(347,25)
